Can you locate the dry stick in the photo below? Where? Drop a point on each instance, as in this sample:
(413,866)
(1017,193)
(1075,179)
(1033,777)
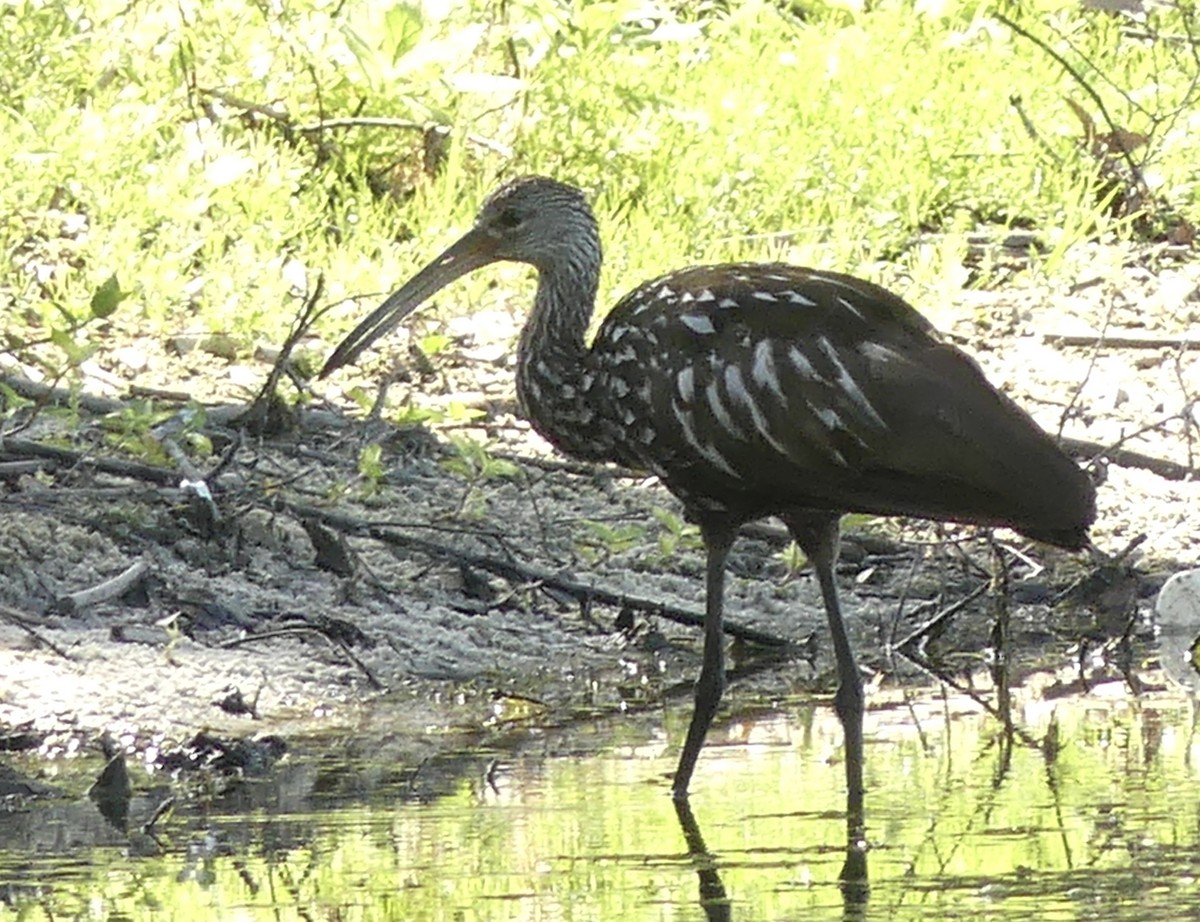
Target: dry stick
(260,410)
(276,115)
(24,448)
(1093,361)
(947,612)
(217,413)
(1168,470)
(192,483)
(523,573)
(1190,413)
(60,396)
(9,469)
(926,665)
(403,124)
(158,393)
(109,589)
(164,807)
(17,619)
(285,119)
(39,403)
(300,631)
(1123,341)
(1031,129)
(164,436)
(899,611)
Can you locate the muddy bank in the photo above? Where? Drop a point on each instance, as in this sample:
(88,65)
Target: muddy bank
(456,583)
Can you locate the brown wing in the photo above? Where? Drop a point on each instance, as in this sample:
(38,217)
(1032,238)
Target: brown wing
(761,388)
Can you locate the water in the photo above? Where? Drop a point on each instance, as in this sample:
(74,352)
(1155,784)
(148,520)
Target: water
(1091,810)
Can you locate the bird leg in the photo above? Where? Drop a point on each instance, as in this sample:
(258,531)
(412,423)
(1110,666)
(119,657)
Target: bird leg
(818,535)
(718,535)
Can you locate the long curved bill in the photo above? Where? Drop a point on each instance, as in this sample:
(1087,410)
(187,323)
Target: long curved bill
(471,251)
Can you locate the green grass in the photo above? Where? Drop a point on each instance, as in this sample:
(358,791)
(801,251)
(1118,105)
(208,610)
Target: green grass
(737,130)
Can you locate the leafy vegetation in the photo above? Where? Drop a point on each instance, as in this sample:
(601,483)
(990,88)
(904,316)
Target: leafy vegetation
(197,153)
(193,168)
(477,466)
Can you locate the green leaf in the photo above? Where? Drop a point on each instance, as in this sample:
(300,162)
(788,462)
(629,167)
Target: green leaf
(107,298)
(200,444)
(499,467)
(370,461)
(364,53)
(616,538)
(75,352)
(434,344)
(402,28)
(458,412)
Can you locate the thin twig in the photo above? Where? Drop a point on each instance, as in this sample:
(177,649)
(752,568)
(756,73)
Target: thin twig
(1121,341)
(1168,470)
(24,448)
(19,620)
(300,631)
(948,612)
(1066,65)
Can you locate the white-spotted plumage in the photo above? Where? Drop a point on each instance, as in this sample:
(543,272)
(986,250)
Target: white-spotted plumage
(801,364)
(698,324)
(720,412)
(685,383)
(849,305)
(763,370)
(845,381)
(800,386)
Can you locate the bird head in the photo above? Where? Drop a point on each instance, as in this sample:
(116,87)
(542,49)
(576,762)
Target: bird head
(535,220)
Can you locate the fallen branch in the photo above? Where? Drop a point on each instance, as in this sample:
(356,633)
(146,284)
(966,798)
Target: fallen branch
(1123,457)
(11,469)
(109,589)
(302,631)
(923,631)
(269,413)
(283,118)
(19,620)
(25,448)
(60,396)
(402,124)
(523,573)
(1120,341)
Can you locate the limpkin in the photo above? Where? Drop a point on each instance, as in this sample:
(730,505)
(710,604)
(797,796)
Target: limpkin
(757,389)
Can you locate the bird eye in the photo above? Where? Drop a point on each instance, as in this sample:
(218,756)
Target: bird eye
(509,218)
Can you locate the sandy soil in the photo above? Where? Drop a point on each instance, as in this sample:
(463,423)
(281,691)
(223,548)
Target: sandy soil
(439,600)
